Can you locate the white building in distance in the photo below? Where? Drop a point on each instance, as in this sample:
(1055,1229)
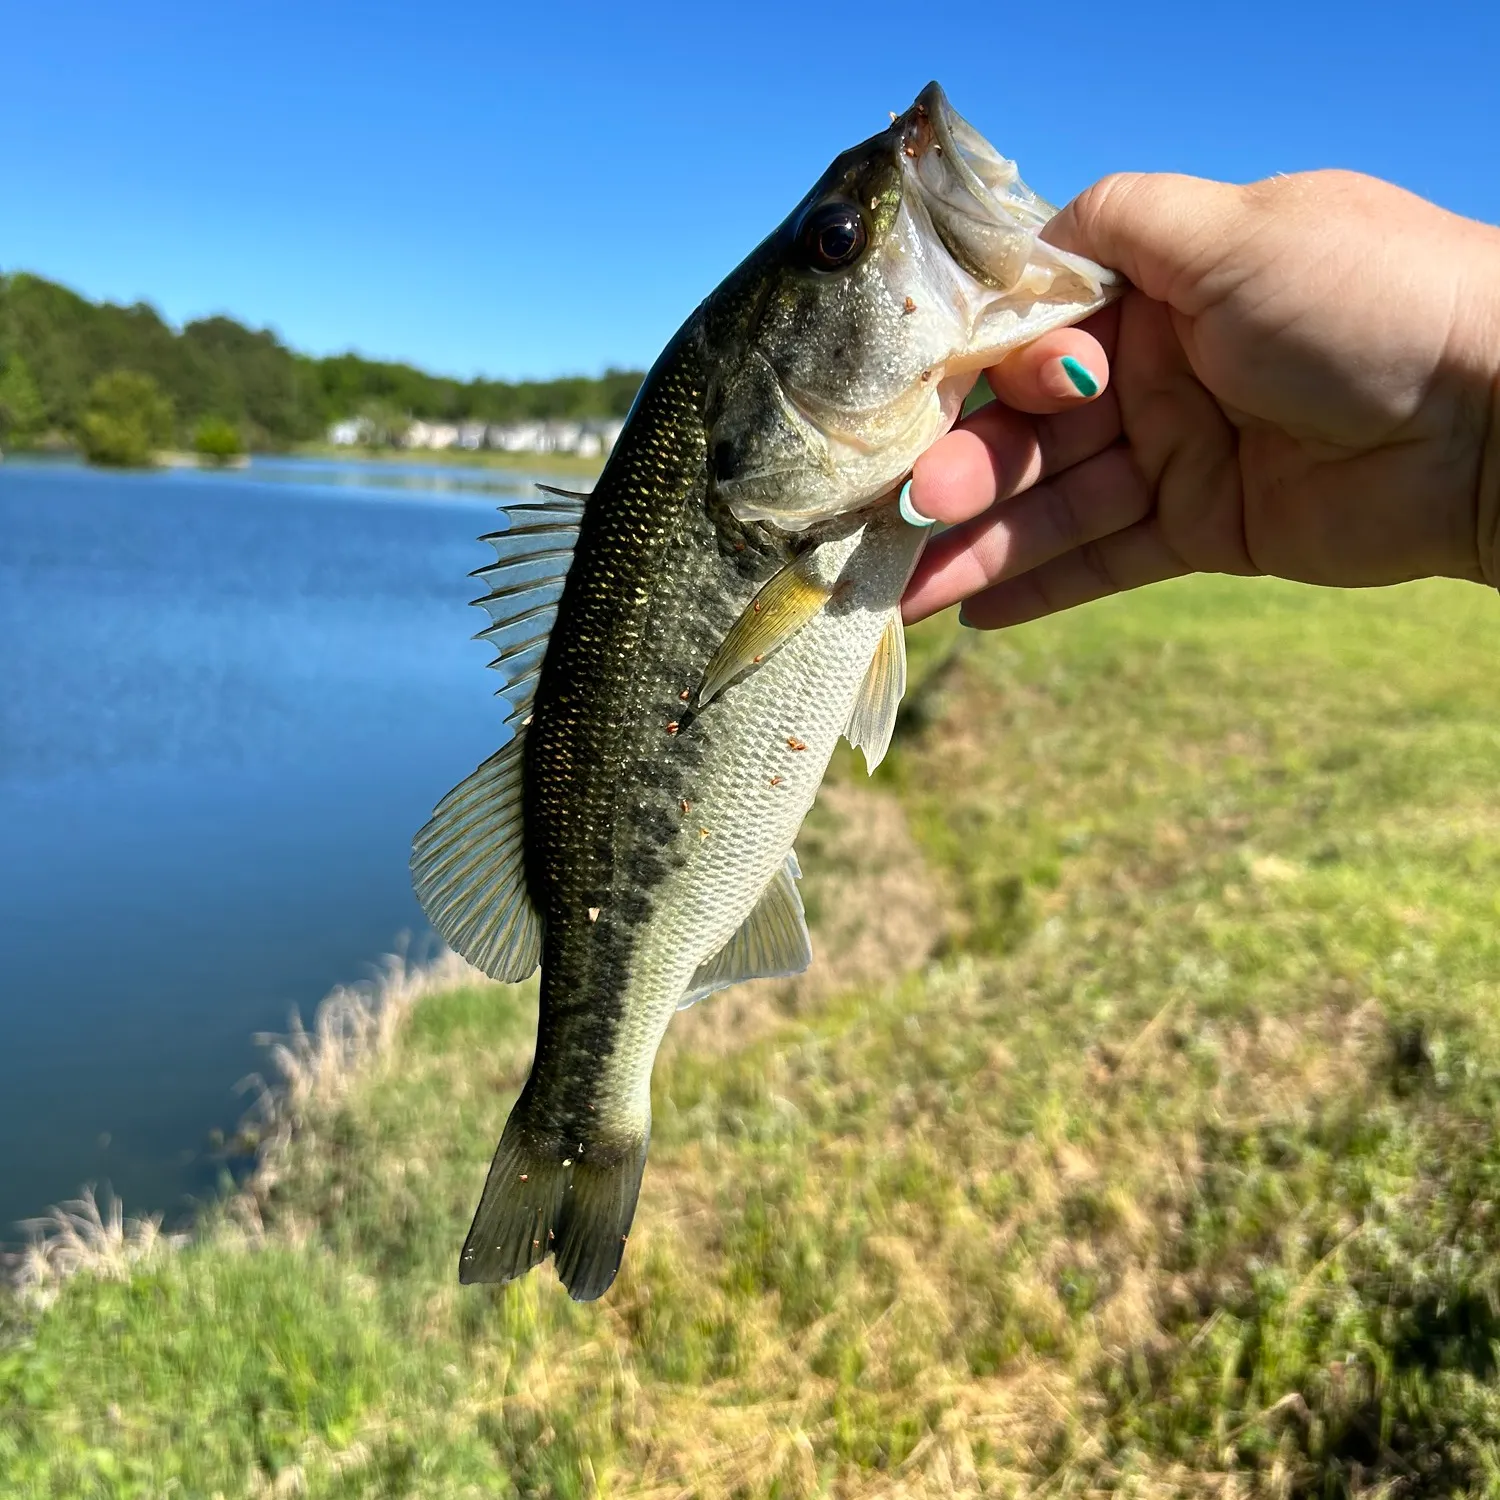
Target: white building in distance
(351,432)
(590,439)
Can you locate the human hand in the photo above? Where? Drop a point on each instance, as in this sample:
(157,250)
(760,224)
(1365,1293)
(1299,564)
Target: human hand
(1304,380)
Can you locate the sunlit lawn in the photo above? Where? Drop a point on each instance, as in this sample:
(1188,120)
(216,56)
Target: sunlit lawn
(1171,1166)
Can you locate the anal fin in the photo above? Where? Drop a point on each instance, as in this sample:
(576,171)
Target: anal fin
(772,942)
(872,720)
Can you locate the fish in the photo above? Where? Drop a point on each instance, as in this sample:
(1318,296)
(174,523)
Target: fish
(682,648)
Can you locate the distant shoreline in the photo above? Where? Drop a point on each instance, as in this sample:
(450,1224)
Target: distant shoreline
(527,463)
(463,458)
(177,459)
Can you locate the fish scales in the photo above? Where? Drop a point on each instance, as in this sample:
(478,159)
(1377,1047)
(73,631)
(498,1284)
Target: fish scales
(652,590)
(679,677)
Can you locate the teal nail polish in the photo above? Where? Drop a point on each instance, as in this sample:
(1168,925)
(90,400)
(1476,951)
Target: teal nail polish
(909,513)
(963,617)
(1083,382)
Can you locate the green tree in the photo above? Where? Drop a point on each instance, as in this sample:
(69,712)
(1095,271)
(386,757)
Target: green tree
(127,420)
(22,414)
(217,440)
(386,423)
(216,367)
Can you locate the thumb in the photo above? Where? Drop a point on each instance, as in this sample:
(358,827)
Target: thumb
(1165,232)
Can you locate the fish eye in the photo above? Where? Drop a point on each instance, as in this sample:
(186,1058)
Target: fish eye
(833,235)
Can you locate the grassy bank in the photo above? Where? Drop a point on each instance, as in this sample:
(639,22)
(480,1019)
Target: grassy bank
(1135,1129)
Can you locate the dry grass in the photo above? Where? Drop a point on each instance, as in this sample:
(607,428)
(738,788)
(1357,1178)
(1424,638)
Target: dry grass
(78,1238)
(354,1033)
(311,1074)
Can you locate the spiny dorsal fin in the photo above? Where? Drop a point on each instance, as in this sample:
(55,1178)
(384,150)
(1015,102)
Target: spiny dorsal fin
(533,555)
(467,862)
(772,943)
(772,618)
(873,717)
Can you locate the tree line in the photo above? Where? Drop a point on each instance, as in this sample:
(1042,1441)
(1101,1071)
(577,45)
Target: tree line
(81,372)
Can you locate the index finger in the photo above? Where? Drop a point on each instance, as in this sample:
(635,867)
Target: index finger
(998,451)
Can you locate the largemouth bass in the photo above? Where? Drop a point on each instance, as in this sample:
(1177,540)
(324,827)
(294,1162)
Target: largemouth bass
(682,649)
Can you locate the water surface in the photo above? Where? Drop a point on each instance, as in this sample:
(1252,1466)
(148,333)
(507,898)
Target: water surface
(228,701)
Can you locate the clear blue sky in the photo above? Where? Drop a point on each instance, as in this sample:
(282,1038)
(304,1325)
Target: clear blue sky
(547,188)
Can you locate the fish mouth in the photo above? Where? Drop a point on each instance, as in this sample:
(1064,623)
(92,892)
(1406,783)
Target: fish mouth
(956,168)
(988,220)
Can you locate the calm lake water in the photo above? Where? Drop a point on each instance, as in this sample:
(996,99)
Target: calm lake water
(228,702)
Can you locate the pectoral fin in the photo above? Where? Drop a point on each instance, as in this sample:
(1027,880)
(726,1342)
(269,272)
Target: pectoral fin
(774,616)
(772,944)
(873,717)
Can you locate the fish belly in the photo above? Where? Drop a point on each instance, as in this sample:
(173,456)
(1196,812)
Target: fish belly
(772,736)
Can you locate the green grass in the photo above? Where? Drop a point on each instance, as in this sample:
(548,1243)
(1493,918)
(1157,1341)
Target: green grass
(1156,1152)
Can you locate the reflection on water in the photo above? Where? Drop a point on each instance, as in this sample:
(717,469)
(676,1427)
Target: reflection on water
(229,701)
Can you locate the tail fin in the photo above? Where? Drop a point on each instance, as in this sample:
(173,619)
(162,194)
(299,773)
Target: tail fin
(549,1197)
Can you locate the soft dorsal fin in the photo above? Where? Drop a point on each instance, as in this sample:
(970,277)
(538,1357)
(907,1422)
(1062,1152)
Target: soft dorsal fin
(772,943)
(468,861)
(873,717)
(783,606)
(468,868)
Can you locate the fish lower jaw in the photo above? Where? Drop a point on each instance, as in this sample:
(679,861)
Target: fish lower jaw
(873,473)
(1011,323)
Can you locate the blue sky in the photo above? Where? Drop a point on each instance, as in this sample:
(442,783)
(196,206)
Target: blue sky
(529,191)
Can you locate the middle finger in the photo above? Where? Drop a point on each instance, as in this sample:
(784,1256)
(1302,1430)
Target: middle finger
(1083,503)
(997,452)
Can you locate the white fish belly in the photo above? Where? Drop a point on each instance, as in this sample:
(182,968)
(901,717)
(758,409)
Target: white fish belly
(774,733)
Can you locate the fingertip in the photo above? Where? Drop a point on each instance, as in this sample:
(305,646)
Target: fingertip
(953,479)
(1150,226)
(1060,370)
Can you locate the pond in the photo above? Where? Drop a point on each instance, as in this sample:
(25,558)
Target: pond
(229,700)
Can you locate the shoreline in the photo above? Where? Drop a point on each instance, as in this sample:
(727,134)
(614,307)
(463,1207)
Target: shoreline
(1135,1129)
(307,1070)
(457,458)
(523,463)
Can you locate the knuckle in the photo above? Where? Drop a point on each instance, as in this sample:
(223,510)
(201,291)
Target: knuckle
(1106,198)
(1111,189)
(1097,565)
(1047,598)
(1061,518)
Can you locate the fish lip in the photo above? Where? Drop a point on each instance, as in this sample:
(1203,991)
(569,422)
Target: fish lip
(929,123)
(962,191)
(932,125)
(929,126)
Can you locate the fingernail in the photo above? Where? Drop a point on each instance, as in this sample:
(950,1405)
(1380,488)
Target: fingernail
(963,617)
(909,512)
(1078,374)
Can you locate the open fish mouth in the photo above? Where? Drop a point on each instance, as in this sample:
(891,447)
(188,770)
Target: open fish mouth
(959,170)
(988,220)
